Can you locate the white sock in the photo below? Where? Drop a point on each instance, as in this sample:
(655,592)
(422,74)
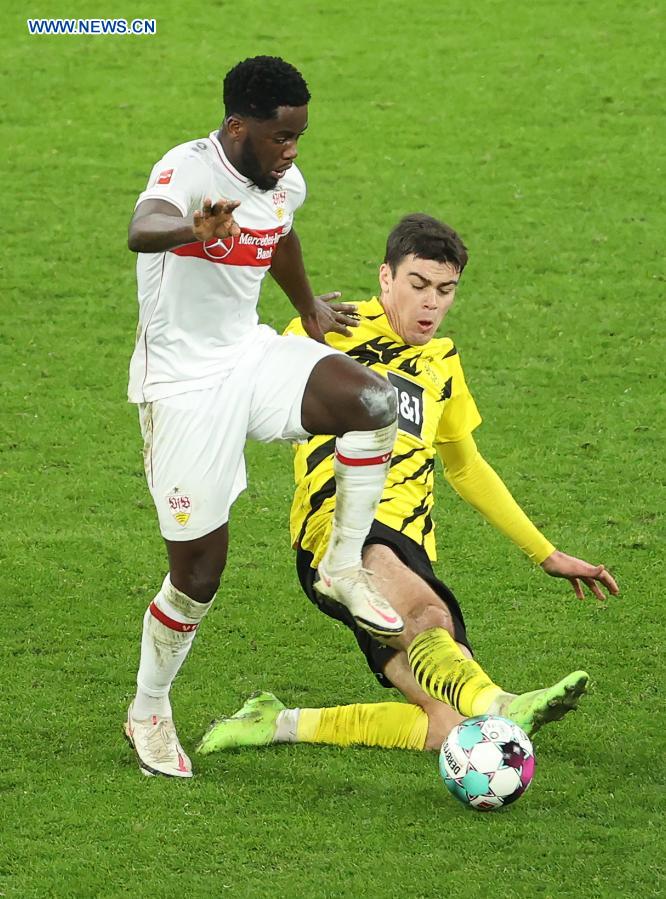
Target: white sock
(361,464)
(286,726)
(501,703)
(169,627)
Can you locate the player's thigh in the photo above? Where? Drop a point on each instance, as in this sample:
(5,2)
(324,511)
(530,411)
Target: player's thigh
(279,384)
(441,717)
(193,456)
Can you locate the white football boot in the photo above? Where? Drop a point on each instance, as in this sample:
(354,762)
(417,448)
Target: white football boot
(156,744)
(353,588)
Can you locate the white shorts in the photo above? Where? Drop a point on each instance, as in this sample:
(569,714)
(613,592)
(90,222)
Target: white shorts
(193,442)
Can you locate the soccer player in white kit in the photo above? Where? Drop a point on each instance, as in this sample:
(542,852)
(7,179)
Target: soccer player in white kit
(216,216)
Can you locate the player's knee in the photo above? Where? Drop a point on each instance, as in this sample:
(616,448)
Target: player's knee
(199,583)
(378,403)
(422,618)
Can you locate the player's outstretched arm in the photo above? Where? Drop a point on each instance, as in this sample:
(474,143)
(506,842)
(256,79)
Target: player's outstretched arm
(579,572)
(480,486)
(158,225)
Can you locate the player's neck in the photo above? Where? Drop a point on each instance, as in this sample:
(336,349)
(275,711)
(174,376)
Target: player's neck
(389,319)
(230,149)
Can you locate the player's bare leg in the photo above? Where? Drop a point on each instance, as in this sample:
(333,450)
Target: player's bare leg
(441,717)
(169,627)
(359,408)
(444,669)
(419,605)
(423,724)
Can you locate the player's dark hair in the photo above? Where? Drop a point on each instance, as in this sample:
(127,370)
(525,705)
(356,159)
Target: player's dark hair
(426,238)
(257,86)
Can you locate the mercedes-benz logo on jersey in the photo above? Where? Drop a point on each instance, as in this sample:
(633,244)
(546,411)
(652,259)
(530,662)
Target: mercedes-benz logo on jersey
(216,248)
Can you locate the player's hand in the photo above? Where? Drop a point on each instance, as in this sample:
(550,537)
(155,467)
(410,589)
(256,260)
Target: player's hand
(311,326)
(215,220)
(579,572)
(338,317)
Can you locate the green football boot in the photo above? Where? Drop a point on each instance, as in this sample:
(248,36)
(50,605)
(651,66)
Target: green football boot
(532,710)
(252,725)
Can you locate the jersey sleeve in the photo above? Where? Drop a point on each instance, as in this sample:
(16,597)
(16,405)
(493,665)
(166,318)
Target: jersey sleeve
(180,178)
(460,415)
(479,485)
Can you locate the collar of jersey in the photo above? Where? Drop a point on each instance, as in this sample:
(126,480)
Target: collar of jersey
(223,160)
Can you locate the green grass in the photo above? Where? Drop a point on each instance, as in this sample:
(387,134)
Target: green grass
(536,131)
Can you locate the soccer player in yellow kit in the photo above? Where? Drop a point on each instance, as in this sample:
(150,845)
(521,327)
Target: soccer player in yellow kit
(431,661)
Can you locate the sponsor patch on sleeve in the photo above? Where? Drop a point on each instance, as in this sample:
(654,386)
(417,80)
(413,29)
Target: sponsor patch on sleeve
(165,176)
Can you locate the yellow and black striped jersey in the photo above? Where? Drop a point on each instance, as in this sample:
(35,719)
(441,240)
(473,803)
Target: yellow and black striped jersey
(434,406)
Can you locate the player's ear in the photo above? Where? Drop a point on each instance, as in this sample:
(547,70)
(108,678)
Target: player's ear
(235,126)
(385,276)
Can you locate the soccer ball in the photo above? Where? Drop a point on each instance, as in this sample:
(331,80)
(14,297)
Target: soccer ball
(487,762)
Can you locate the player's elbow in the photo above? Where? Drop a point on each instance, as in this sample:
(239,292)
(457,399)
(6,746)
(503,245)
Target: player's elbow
(134,242)
(459,472)
(138,235)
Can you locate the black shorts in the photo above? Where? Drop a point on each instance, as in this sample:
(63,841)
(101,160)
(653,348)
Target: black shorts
(412,555)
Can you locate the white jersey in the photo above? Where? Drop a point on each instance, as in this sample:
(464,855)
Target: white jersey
(198,302)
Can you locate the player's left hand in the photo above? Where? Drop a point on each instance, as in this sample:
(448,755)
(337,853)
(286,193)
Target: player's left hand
(311,326)
(579,572)
(338,317)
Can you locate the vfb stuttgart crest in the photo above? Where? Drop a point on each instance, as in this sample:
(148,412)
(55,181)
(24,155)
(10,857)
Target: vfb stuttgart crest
(279,200)
(180,507)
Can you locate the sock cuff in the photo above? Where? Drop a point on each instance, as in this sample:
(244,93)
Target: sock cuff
(307,725)
(432,638)
(483,701)
(362,444)
(179,608)
(416,730)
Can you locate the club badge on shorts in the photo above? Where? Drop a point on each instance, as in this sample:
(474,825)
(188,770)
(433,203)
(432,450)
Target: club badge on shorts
(180,506)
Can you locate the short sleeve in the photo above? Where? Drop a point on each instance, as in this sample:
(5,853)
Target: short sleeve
(179,178)
(460,415)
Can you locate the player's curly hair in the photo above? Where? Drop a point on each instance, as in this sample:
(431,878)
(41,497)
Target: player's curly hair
(426,238)
(257,86)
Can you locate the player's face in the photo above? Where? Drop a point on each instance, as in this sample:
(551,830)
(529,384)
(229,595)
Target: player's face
(268,148)
(418,296)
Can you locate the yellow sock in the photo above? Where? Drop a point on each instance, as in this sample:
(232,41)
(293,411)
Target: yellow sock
(393,725)
(444,673)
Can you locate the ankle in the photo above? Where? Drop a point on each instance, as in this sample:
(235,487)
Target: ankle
(145,705)
(286,726)
(501,703)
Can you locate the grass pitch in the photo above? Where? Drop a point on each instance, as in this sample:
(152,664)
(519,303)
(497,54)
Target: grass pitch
(534,130)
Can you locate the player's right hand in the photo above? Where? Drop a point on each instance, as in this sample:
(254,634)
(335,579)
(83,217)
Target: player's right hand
(216,220)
